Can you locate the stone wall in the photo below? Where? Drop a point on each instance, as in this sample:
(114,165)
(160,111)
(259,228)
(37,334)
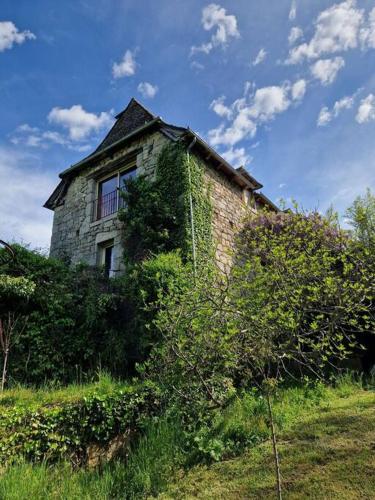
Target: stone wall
(229,210)
(76,236)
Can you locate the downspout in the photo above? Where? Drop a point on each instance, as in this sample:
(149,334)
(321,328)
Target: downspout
(189,148)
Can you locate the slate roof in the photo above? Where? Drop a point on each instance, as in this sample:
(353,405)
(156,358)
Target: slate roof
(133,117)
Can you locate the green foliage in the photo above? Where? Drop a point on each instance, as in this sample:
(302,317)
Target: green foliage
(64,431)
(75,320)
(302,290)
(157,213)
(142,286)
(361,215)
(296,301)
(15,287)
(166,445)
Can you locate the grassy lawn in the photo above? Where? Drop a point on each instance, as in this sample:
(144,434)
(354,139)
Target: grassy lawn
(329,453)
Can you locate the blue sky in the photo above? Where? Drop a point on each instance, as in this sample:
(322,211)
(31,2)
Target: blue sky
(287,87)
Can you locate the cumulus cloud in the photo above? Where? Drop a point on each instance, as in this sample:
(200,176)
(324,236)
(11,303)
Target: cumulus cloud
(326,70)
(254,108)
(218,106)
(293,11)
(295,34)
(215,17)
(79,123)
(326,115)
(33,137)
(126,67)
(9,35)
(237,157)
(23,190)
(337,29)
(147,90)
(262,54)
(366,109)
(298,90)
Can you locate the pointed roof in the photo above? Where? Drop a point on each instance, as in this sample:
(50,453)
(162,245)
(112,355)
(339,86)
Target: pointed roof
(131,118)
(136,120)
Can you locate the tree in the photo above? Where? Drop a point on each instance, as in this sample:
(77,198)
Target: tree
(294,303)
(361,216)
(14,293)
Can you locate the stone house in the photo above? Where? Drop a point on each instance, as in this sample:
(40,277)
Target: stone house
(86,227)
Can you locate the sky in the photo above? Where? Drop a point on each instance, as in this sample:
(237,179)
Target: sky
(284,87)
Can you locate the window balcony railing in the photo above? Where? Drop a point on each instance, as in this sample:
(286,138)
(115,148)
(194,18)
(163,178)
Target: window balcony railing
(107,204)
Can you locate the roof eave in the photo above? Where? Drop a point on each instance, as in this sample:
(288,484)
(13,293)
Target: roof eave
(223,165)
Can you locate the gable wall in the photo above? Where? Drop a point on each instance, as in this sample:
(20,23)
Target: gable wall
(76,237)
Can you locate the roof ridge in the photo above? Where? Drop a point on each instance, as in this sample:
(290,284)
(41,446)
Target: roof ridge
(134,100)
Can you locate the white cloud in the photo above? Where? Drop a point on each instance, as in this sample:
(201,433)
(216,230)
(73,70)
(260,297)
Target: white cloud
(366,110)
(196,65)
(245,114)
(215,17)
(79,123)
(293,11)
(218,106)
(241,128)
(262,54)
(269,101)
(336,29)
(147,90)
(326,115)
(367,34)
(9,35)
(298,90)
(237,157)
(126,67)
(295,34)
(326,70)
(23,191)
(33,137)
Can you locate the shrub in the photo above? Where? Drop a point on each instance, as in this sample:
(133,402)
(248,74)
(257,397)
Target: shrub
(65,431)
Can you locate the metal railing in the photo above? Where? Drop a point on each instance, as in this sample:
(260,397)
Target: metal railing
(107,204)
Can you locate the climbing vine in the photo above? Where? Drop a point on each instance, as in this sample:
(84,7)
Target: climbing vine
(157,213)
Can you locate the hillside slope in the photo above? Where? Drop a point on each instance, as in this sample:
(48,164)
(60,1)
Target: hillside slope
(329,454)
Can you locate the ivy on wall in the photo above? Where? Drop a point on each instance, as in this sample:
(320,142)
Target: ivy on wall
(157,217)
(176,185)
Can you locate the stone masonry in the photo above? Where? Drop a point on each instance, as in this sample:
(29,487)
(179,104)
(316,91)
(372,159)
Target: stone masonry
(77,236)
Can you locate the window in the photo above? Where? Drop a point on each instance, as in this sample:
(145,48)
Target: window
(106,257)
(109,199)
(123,178)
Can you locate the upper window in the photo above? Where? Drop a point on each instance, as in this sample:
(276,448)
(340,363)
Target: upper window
(109,199)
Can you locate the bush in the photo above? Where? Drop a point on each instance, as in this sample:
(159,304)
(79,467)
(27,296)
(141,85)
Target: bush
(65,431)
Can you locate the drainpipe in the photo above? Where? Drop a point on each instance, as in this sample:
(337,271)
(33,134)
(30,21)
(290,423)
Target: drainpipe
(189,148)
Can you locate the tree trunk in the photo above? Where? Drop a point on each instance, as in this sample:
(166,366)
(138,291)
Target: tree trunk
(5,364)
(274,446)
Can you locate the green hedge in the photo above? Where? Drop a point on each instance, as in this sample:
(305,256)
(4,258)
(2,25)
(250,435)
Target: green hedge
(66,430)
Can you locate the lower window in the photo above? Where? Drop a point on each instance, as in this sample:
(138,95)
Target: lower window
(106,258)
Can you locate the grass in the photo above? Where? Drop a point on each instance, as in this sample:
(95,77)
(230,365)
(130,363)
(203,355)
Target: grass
(327,448)
(22,396)
(327,452)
